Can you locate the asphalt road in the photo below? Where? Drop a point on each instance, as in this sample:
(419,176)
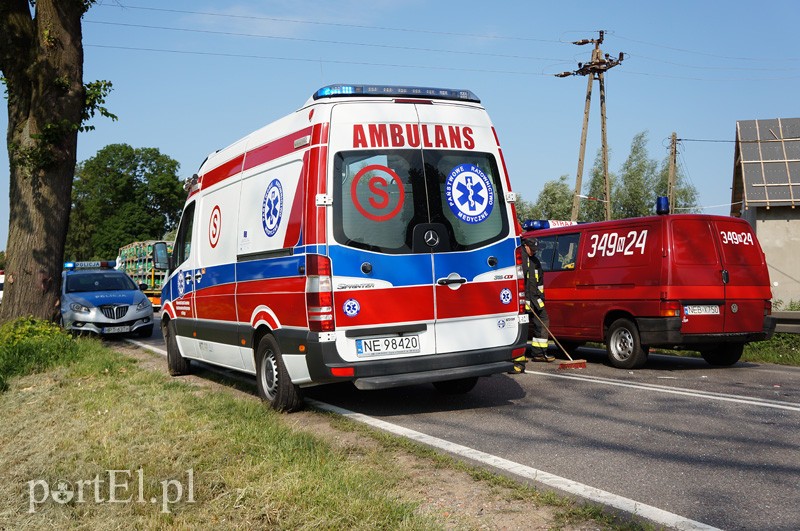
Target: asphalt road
(719,446)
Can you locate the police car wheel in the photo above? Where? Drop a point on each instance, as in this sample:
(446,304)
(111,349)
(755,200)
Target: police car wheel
(145,332)
(456,387)
(176,364)
(723,355)
(624,346)
(272,378)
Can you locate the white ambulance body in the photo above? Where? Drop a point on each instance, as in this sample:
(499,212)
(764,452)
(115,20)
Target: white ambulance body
(370,236)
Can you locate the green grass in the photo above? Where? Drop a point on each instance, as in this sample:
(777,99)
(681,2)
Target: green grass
(83,410)
(782,349)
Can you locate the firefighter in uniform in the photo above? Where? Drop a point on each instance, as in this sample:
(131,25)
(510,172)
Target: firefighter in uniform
(539,322)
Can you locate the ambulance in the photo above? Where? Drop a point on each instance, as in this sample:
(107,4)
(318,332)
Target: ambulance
(683,281)
(368,237)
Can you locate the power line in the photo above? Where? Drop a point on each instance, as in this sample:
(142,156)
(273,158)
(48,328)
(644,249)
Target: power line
(334,24)
(329,61)
(696,52)
(318,41)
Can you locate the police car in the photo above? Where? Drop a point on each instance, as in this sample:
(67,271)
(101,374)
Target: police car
(97,299)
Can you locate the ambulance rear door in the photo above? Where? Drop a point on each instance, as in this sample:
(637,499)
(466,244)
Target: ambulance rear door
(409,277)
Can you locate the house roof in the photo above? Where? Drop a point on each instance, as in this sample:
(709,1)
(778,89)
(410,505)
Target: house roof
(766,171)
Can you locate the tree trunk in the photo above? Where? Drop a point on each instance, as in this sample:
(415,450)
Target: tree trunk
(41,58)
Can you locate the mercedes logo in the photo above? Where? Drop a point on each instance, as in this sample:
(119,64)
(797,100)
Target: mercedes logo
(431,238)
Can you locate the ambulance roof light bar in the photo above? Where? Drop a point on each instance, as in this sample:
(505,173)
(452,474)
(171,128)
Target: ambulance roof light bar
(339,90)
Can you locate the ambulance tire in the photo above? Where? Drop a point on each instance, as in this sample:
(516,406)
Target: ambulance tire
(456,387)
(624,346)
(272,378)
(723,355)
(176,364)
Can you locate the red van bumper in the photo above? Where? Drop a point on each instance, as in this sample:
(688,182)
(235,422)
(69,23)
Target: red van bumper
(666,332)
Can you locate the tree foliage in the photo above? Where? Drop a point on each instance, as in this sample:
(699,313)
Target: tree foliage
(121,195)
(635,197)
(633,191)
(555,200)
(594,208)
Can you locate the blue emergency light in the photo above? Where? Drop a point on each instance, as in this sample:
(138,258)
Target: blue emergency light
(333,91)
(104,264)
(538,224)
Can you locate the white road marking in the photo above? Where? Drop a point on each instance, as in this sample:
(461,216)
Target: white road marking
(649,512)
(675,391)
(654,514)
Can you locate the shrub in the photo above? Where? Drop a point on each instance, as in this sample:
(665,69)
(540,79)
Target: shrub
(29,345)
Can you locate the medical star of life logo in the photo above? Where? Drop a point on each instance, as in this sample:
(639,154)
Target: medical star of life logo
(505,296)
(351,307)
(181,284)
(272,208)
(469,193)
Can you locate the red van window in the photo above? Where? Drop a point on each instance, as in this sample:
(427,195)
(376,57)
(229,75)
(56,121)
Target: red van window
(739,245)
(692,242)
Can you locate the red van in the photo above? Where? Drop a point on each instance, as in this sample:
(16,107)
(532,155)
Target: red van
(695,282)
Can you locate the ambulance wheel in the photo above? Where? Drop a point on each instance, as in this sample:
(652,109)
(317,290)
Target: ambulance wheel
(723,355)
(624,346)
(274,384)
(177,364)
(456,387)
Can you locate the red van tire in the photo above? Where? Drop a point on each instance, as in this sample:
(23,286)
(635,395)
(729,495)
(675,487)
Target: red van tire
(723,355)
(176,364)
(623,345)
(456,387)
(274,385)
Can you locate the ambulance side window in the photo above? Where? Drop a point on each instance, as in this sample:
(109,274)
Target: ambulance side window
(183,241)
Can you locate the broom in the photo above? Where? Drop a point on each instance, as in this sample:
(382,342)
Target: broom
(571,364)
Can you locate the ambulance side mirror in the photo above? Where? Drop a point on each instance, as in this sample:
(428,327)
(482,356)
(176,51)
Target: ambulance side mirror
(161,257)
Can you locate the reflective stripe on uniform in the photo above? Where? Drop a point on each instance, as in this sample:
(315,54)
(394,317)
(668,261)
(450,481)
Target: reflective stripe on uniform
(538,343)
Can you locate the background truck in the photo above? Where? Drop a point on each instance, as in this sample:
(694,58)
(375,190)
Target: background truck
(136,259)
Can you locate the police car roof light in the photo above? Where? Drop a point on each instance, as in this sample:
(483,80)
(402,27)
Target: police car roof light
(340,90)
(105,264)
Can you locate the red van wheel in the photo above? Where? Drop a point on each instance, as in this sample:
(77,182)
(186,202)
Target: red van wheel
(624,346)
(272,378)
(723,355)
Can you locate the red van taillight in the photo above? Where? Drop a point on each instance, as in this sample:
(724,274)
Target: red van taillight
(767,308)
(319,293)
(520,281)
(670,309)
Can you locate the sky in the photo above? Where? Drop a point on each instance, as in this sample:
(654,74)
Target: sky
(191,77)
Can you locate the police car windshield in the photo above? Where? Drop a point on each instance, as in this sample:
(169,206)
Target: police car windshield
(100,281)
(381,196)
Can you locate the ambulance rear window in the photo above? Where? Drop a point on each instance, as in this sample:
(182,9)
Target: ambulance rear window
(380,196)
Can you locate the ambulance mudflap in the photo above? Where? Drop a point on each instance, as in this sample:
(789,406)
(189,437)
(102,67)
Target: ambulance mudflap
(368,237)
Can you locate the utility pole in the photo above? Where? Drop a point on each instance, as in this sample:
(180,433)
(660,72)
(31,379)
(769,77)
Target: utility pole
(594,69)
(673,156)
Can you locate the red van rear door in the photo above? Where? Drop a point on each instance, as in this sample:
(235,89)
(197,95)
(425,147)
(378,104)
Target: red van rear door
(696,275)
(745,275)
